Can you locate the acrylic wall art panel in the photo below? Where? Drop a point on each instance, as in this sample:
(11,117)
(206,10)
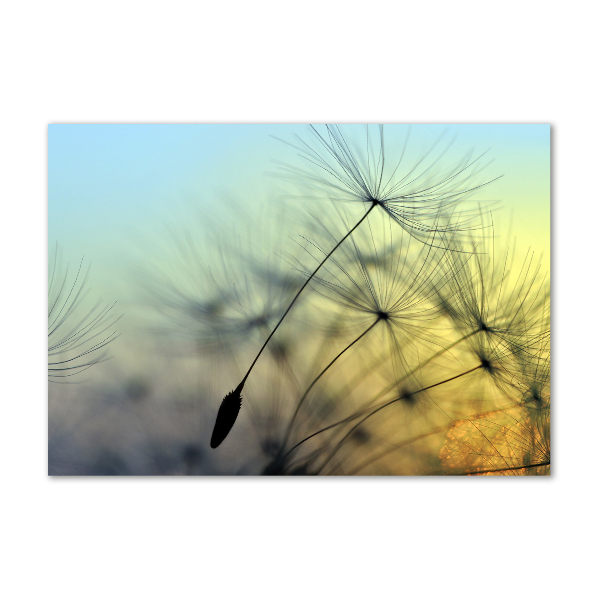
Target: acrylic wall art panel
(299,300)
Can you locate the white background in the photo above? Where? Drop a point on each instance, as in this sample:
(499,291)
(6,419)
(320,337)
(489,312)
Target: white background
(300,62)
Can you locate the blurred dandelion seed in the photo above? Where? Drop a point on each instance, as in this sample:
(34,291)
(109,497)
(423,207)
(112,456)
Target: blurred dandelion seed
(487,292)
(380,280)
(75,337)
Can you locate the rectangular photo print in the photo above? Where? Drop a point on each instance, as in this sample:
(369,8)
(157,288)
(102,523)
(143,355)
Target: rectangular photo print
(264,299)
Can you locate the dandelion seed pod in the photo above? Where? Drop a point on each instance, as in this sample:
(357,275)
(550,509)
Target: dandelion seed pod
(227,415)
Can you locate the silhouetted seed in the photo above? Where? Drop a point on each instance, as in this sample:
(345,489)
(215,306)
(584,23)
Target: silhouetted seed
(228,412)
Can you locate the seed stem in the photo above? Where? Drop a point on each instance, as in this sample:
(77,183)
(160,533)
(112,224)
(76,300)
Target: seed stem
(302,289)
(229,417)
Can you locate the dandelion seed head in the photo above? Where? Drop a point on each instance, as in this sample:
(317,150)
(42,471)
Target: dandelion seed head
(380,274)
(486,355)
(408,397)
(488,292)
(534,382)
(535,395)
(487,366)
(77,336)
(227,294)
(421,194)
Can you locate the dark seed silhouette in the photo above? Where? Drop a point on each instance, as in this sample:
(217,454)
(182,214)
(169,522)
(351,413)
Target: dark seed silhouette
(228,412)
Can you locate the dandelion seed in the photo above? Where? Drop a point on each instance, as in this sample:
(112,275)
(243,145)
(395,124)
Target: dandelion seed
(487,293)
(227,415)
(76,338)
(417,198)
(234,303)
(385,277)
